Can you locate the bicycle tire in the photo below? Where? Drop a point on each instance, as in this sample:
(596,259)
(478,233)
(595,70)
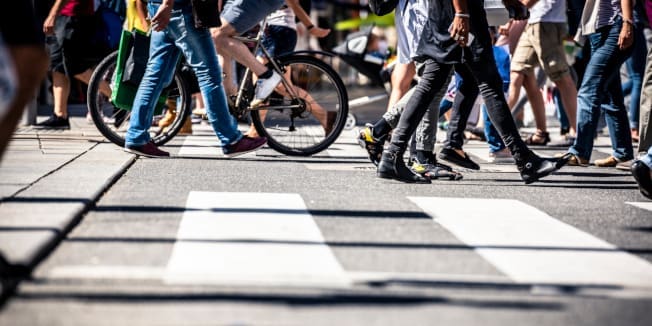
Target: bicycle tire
(306,135)
(113,122)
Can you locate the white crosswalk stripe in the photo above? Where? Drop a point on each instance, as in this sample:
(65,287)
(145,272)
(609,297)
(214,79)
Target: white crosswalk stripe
(267,238)
(532,247)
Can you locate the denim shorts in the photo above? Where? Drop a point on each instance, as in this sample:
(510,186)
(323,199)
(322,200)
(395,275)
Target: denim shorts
(279,40)
(245,14)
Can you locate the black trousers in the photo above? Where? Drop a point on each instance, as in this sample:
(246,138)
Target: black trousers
(481,75)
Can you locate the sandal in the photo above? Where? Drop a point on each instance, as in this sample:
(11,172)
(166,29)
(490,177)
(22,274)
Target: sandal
(542,135)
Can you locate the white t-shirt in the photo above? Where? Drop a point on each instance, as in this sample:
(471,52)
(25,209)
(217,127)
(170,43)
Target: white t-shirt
(548,11)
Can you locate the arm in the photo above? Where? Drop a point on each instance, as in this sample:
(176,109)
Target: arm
(48,25)
(626,37)
(305,19)
(141,11)
(460,28)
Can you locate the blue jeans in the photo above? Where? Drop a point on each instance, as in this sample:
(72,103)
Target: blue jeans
(196,45)
(601,88)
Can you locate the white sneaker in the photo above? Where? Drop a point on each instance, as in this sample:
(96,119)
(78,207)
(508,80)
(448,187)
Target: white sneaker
(501,156)
(265,87)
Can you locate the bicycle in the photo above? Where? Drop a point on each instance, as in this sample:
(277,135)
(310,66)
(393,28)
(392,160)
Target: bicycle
(303,118)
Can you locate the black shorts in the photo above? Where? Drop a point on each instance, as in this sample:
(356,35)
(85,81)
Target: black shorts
(18,23)
(73,48)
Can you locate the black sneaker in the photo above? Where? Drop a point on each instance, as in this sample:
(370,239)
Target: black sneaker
(450,155)
(373,146)
(536,167)
(434,170)
(54,122)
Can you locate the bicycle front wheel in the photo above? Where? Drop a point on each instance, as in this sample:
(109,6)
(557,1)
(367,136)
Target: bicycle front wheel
(113,122)
(310,122)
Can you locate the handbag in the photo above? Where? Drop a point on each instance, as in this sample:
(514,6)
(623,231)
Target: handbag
(382,7)
(133,54)
(206,13)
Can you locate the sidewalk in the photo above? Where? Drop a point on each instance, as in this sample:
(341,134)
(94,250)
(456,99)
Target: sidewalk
(48,180)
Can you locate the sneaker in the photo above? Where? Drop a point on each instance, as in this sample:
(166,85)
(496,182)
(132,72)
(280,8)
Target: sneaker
(265,87)
(434,171)
(54,122)
(625,166)
(450,155)
(243,146)
(641,173)
(373,146)
(608,162)
(501,156)
(536,167)
(147,150)
(565,141)
(573,160)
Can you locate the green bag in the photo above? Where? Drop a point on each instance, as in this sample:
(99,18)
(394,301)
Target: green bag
(133,53)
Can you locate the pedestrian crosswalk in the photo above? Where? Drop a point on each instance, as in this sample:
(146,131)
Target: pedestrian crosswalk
(272,239)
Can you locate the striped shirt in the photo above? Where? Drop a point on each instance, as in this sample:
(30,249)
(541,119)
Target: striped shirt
(599,13)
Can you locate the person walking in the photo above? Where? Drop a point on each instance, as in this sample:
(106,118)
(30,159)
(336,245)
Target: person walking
(174,34)
(445,43)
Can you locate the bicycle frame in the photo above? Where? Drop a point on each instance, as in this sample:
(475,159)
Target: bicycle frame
(248,74)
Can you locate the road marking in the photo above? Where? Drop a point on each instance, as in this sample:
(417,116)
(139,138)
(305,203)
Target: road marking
(530,246)
(644,205)
(259,238)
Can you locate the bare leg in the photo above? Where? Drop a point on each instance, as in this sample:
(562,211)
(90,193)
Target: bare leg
(401,81)
(229,47)
(536,102)
(60,92)
(568,93)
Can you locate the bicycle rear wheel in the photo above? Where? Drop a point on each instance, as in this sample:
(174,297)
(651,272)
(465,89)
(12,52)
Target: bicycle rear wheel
(113,122)
(310,123)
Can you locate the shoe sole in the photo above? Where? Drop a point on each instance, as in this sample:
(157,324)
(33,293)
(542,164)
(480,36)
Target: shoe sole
(133,151)
(392,177)
(245,152)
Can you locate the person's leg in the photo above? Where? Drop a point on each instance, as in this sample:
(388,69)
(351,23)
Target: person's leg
(163,58)
(60,93)
(391,164)
(568,94)
(30,64)
(561,112)
(605,61)
(645,127)
(199,51)
(617,121)
(493,138)
(540,137)
(635,67)
(402,76)
(465,98)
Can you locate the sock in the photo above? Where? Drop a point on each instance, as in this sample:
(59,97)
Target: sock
(381,129)
(266,74)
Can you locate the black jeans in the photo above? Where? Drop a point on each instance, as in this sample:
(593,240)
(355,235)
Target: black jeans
(482,75)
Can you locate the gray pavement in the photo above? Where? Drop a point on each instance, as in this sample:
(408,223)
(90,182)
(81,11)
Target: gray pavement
(100,232)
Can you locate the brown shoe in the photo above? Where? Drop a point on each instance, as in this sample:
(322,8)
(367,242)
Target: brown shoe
(607,162)
(574,160)
(186,129)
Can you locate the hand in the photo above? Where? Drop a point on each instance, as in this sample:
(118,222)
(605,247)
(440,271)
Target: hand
(459,30)
(319,32)
(48,25)
(626,37)
(162,17)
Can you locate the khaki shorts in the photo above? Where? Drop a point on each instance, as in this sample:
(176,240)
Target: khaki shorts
(542,44)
